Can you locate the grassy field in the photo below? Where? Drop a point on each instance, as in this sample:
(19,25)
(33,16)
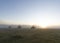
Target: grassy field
(29,35)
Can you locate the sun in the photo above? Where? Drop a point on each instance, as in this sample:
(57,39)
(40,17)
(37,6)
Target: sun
(44,25)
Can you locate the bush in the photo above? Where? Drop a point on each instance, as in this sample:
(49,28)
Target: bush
(9,27)
(19,26)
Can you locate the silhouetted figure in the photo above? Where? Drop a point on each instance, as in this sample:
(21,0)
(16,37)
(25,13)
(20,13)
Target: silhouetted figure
(19,26)
(9,27)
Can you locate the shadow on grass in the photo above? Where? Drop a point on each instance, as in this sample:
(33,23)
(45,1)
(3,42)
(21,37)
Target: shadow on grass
(12,39)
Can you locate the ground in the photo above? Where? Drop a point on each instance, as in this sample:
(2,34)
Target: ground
(29,35)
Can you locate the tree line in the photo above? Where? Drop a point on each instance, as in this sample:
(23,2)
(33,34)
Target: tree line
(32,27)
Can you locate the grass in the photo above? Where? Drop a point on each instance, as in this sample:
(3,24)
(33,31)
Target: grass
(30,36)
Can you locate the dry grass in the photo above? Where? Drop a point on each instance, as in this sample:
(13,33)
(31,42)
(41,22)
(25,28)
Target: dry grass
(30,36)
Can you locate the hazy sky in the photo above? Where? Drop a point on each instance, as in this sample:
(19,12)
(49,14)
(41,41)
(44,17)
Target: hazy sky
(40,12)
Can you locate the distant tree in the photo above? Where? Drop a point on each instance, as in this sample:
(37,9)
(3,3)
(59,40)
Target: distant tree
(19,26)
(9,27)
(33,27)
